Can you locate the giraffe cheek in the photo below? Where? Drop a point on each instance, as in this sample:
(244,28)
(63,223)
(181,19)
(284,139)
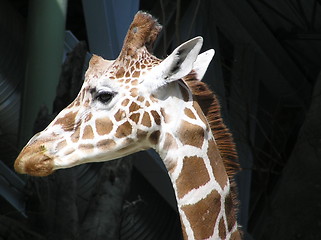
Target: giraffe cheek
(103,126)
(134,117)
(120,115)
(105,145)
(146,121)
(124,130)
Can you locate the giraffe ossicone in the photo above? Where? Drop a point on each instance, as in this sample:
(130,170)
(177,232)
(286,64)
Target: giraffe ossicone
(137,102)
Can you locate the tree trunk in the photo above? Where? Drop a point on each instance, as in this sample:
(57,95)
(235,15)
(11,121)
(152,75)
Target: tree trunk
(103,216)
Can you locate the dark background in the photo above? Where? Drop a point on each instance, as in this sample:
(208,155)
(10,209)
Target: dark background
(266,73)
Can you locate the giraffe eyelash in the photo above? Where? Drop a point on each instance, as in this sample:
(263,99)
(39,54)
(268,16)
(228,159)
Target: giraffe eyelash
(102,96)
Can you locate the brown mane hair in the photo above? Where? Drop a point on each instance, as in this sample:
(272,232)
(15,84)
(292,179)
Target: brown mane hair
(223,137)
(212,110)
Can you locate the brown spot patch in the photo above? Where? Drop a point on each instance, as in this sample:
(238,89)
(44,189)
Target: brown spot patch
(88,133)
(134,92)
(188,112)
(136,74)
(222,229)
(86,103)
(103,126)
(124,130)
(146,120)
(135,117)
(141,134)
(192,166)
(67,122)
(140,99)
(77,102)
(133,107)
(75,136)
(203,212)
(153,138)
(86,147)
(120,73)
(106,144)
(165,116)
(236,235)
(147,104)
(134,82)
(119,115)
(125,102)
(156,117)
(190,134)
(169,143)
(217,163)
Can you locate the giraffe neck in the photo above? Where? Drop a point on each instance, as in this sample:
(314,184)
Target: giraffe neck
(198,175)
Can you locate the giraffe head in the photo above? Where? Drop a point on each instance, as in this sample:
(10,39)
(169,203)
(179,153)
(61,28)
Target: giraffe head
(120,108)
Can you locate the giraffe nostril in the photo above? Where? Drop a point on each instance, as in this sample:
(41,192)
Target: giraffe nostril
(42,148)
(34,160)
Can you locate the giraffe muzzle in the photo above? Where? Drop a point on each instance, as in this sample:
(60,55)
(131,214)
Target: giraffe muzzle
(35,161)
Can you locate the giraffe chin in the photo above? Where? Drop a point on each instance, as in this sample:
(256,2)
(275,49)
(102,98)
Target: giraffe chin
(34,163)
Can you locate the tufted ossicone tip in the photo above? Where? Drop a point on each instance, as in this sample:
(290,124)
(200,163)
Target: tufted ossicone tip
(142,32)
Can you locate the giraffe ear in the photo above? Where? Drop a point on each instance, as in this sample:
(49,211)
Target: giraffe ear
(201,64)
(177,65)
(180,62)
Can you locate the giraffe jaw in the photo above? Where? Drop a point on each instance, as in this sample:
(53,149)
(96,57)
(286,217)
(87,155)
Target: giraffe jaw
(38,159)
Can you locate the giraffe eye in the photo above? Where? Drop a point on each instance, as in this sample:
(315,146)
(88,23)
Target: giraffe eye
(104,96)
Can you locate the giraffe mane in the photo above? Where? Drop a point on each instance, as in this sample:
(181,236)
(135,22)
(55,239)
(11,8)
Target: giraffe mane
(211,108)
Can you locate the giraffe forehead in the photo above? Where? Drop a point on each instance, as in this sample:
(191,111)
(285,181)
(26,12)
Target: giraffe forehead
(124,68)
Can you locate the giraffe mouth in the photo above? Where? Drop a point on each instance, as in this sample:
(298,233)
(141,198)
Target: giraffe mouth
(35,161)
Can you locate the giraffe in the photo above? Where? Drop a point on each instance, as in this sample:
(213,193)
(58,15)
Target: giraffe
(138,102)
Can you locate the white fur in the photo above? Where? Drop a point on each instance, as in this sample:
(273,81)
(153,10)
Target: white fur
(201,64)
(176,66)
